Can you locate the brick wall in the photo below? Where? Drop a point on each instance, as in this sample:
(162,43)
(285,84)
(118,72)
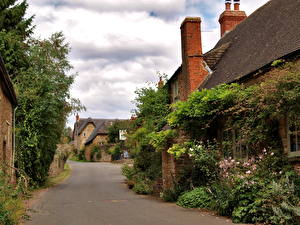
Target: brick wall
(193,71)
(172,167)
(229,19)
(6,129)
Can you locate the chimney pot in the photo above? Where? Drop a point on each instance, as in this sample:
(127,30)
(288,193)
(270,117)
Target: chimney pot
(229,19)
(236,5)
(160,83)
(228,6)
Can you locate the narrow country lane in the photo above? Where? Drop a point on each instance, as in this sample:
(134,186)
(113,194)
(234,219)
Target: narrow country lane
(95,194)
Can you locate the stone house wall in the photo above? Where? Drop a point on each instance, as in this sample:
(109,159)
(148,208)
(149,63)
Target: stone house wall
(84,135)
(283,124)
(100,140)
(6,129)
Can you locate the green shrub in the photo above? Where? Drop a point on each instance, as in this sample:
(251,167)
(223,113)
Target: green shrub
(197,198)
(11,208)
(143,187)
(261,202)
(128,172)
(116,151)
(81,155)
(222,198)
(172,195)
(96,153)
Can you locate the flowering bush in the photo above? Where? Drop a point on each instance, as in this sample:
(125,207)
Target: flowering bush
(204,158)
(262,190)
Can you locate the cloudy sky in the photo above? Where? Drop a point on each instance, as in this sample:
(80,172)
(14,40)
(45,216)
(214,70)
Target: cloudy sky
(119,45)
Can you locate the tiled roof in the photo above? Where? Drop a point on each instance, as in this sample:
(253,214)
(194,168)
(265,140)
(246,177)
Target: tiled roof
(6,84)
(271,32)
(101,128)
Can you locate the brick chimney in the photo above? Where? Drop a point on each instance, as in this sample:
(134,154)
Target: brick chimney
(77,117)
(160,83)
(193,67)
(230,18)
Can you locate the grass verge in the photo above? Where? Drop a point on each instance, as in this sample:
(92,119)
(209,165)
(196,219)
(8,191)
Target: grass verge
(75,159)
(52,181)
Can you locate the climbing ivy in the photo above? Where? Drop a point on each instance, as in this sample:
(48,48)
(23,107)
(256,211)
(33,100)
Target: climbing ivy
(44,104)
(252,111)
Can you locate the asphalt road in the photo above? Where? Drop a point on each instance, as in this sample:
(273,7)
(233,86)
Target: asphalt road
(95,194)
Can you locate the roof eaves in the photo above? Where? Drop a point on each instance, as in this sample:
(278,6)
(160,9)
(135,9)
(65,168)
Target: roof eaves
(8,86)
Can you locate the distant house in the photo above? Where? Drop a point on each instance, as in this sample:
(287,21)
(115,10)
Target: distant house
(89,133)
(244,54)
(8,103)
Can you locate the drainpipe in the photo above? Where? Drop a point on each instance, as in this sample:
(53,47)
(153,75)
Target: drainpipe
(14,139)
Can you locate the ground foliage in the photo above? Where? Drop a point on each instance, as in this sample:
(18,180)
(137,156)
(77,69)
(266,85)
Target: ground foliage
(264,188)
(11,205)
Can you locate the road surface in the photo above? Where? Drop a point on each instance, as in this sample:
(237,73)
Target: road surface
(95,194)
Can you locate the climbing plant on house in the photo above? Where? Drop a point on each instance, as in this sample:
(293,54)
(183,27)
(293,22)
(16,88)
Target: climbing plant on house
(262,188)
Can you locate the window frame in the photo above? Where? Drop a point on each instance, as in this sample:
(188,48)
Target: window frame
(296,133)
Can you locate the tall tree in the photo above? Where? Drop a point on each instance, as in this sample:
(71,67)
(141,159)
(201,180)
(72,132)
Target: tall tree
(44,104)
(14,31)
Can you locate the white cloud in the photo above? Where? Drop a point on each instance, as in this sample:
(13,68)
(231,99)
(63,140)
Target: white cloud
(118,45)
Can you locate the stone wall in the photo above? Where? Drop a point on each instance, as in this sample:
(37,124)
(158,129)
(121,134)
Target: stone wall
(6,132)
(58,164)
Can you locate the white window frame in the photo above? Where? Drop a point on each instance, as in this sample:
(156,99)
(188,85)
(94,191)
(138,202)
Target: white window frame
(296,133)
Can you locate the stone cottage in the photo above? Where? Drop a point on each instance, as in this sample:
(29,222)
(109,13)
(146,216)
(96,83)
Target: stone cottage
(89,133)
(247,47)
(8,103)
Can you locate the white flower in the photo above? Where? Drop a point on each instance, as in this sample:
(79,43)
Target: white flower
(248,172)
(272,153)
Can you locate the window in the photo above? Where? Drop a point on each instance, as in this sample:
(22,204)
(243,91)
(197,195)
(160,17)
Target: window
(240,148)
(293,137)
(83,134)
(175,91)
(234,144)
